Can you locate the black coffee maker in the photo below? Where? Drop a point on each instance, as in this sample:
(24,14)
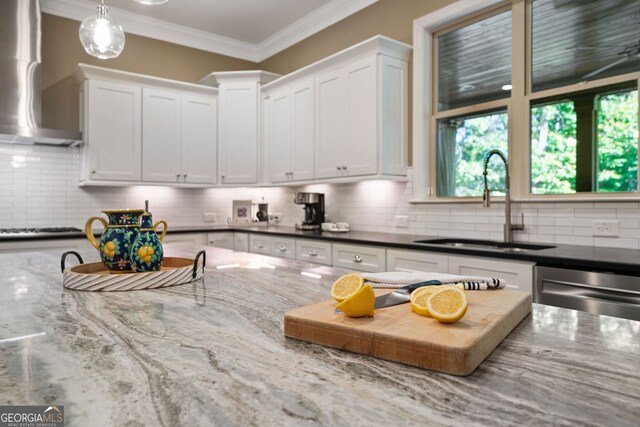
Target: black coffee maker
(313,210)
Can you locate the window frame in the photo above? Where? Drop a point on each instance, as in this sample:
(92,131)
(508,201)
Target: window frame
(426,114)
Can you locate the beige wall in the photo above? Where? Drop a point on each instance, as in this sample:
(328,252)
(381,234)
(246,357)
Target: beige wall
(62,51)
(391,18)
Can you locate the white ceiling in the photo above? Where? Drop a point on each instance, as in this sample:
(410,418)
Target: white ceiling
(247,29)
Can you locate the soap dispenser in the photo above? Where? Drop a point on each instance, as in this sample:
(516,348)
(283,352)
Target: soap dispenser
(146,252)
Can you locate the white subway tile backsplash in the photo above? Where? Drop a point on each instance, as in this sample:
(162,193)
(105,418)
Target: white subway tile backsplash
(39,187)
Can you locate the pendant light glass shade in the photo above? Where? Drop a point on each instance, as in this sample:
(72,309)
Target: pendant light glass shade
(101,36)
(151,2)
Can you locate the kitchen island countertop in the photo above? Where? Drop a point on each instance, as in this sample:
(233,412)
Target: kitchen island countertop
(213,352)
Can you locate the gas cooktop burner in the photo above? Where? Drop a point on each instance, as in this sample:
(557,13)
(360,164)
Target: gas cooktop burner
(19,231)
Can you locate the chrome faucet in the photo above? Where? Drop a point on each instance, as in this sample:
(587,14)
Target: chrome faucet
(486,199)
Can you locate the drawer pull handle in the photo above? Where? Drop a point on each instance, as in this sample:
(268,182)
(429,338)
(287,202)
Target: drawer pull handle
(313,253)
(282,248)
(357,258)
(260,245)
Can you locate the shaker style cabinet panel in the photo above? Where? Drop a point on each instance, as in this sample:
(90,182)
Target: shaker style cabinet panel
(403,260)
(178,137)
(313,251)
(145,129)
(517,274)
(238,123)
(359,257)
(238,143)
(199,127)
(290,132)
(112,121)
(161,129)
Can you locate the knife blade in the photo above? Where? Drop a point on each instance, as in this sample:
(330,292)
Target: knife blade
(400,295)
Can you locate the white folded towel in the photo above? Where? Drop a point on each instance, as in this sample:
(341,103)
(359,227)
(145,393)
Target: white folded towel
(398,279)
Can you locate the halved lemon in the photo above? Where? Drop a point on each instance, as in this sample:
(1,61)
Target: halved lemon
(447,305)
(359,304)
(432,289)
(419,302)
(346,286)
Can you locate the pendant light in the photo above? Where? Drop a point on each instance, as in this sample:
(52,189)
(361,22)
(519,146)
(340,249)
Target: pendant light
(100,35)
(151,2)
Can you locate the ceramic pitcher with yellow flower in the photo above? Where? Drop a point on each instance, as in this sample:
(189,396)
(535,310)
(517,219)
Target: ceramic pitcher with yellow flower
(115,243)
(146,250)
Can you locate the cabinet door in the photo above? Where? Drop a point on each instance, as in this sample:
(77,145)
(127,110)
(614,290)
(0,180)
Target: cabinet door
(114,128)
(160,136)
(517,274)
(360,149)
(303,131)
(186,238)
(398,260)
(279,139)
(331,124)
(241,242)
(199,139)
(220,240)
(238,144)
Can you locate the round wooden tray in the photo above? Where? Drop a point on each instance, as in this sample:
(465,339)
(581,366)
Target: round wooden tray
(94,276)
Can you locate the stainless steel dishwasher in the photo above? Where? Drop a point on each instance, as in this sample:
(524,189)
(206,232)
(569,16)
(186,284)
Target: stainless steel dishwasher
(595,292)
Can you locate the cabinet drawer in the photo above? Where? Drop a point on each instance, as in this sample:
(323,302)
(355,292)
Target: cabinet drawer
(400,260)
(241,242)
(283,247)
(220,240)
(517,274)
(313,251)
(259,244)
(358,257)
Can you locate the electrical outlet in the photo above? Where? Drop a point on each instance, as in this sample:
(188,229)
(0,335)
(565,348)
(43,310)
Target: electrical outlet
(402,221)
(210,217)
(605,228)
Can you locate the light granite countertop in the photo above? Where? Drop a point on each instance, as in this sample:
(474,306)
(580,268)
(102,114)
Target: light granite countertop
(213,352)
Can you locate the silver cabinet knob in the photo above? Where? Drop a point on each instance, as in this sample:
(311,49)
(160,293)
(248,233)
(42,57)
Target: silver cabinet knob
(338,168)
(357,258)
(259,245)
(344,168)
(178,175)
(312,252)
(185,175)
(282,248)
(93,171)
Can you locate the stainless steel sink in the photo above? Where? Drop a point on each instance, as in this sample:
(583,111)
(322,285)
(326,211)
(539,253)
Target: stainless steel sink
(485,244)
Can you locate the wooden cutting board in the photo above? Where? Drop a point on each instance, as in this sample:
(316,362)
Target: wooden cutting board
(397,334)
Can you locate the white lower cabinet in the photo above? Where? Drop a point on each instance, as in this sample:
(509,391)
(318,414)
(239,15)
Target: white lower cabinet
(221,240)
(283,247)
(192,238)
(517,274)
(36,245)
(359,257)
(241,242)
(313,251)
(403,260)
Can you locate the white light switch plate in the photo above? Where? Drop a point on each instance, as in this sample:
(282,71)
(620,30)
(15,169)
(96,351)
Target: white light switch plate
(210,217)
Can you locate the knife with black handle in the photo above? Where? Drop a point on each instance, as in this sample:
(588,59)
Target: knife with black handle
(400,295)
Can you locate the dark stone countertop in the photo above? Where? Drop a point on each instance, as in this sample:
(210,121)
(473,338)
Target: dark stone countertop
(615,260)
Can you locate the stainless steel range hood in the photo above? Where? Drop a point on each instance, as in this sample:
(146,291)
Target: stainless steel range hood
(20,84)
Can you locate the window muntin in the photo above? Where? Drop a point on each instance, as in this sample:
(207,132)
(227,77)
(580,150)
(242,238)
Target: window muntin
(474,62)
(462,145)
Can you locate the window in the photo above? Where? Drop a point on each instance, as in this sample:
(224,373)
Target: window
(564,108)
(473,75)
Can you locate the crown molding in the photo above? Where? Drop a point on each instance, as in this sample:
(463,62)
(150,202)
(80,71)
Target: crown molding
(308,25)
(319,19)
(145,26)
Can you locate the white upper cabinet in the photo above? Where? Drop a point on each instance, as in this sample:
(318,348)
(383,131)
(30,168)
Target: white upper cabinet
(142,129)
(239,123)
(290,132)
(358,116)
(199,136)
(161,137)
(112,131)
